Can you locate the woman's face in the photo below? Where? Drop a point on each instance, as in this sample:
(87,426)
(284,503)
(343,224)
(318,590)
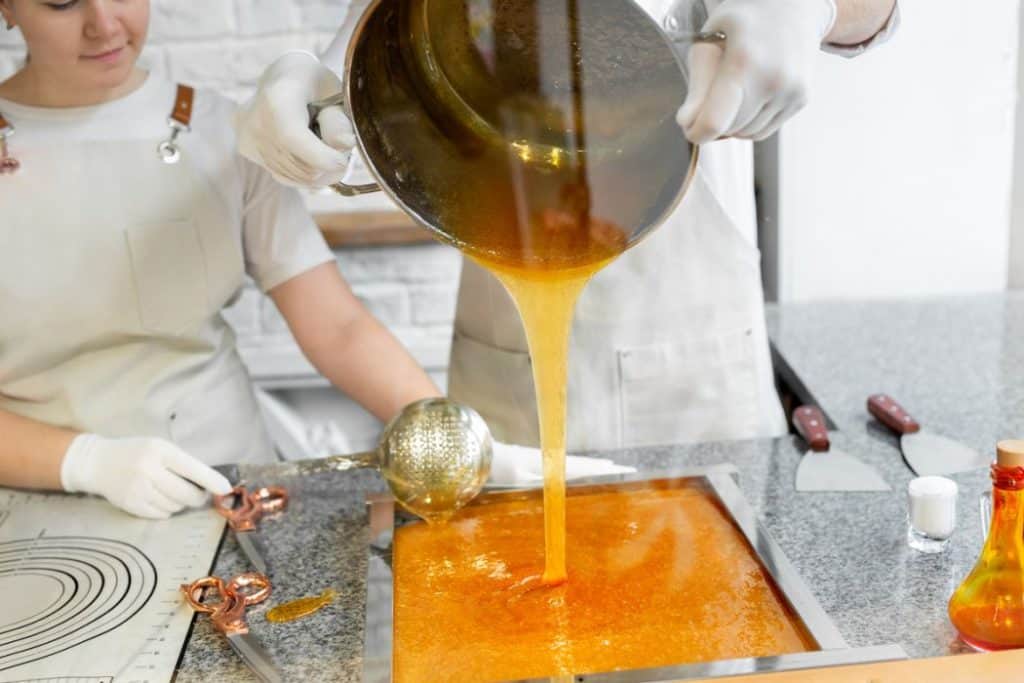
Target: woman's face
(85,43)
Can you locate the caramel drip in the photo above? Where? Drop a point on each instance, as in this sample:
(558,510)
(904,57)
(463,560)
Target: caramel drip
(303,607)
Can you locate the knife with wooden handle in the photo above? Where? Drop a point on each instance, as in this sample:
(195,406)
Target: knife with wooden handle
(926,453)
(824,468)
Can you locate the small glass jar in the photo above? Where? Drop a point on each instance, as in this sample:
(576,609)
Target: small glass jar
(931,516)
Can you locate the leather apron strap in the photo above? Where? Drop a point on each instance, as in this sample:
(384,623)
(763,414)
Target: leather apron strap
(179,121)
(183,105)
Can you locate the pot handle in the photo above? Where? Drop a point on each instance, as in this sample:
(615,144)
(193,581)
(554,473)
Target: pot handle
(683,26)
(706,37)
(314,109)
(681,40)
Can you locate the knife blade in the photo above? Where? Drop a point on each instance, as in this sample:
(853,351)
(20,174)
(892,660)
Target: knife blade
(826,468)
(255,657)
(925,452)
(251,543)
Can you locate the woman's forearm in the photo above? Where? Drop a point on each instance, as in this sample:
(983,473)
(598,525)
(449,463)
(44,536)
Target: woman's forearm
(859,20)
(347,345)
(31,452)
(371,366)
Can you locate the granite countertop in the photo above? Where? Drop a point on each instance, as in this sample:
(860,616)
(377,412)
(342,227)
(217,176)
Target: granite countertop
(957,364)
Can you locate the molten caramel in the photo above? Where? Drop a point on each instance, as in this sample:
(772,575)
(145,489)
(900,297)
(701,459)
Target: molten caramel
(545,300)
(657,577)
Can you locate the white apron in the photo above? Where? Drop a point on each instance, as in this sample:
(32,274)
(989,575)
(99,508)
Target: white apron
(668,344)
(111,287)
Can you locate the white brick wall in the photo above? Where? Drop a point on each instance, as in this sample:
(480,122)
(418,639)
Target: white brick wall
(225,45)
(411,289)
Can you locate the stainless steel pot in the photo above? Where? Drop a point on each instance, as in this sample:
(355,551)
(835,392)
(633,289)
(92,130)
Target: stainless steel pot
(471,112)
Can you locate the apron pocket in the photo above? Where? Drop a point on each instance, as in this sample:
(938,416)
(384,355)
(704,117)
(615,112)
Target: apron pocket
(169,274)
(700,389)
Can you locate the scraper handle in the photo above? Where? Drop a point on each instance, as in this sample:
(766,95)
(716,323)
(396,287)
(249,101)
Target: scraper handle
(891,414)
(810,424)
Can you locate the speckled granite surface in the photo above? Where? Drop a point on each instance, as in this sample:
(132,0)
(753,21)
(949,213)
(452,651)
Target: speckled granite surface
(956,364)
(319,542)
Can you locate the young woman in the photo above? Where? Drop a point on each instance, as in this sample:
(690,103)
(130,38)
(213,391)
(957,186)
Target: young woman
(127,223)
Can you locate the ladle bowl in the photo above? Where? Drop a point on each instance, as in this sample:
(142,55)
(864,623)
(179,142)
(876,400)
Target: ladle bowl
(435,457)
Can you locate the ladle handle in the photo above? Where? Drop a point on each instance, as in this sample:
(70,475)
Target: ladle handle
(355,461)
(332,463)
(344,463)
(314,109)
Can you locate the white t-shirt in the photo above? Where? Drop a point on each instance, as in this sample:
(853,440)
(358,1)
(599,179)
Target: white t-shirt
(112,280)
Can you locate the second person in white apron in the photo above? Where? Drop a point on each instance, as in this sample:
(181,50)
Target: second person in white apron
(128,223)
(669,342)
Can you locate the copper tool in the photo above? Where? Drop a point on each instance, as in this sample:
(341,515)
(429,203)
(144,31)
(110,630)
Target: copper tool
(225,603)
(243,509)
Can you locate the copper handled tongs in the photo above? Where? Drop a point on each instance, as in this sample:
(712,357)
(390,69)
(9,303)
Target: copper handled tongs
(243,510)
(225,602)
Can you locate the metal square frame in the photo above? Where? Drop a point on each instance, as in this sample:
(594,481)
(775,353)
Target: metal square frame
(385,518)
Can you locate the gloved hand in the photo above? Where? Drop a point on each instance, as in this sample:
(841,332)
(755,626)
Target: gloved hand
(273,126)
(146,477)
(757,80)
(522,466)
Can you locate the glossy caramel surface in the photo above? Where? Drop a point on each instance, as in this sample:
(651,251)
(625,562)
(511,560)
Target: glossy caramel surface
(655,577)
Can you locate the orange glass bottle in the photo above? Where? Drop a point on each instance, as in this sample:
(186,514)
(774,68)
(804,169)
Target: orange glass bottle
(988,607)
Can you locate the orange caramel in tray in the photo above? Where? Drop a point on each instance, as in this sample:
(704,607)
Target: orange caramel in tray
(656,576)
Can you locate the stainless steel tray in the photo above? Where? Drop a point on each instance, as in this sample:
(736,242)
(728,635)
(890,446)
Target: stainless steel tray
(385,518)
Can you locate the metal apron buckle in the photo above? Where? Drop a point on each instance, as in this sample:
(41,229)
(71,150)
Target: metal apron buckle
(169,152)
(178,122)
(8,164)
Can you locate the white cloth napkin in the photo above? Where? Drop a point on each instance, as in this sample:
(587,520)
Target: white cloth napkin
(514,465)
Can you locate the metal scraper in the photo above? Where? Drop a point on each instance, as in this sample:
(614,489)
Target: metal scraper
(824,468)
(926,453)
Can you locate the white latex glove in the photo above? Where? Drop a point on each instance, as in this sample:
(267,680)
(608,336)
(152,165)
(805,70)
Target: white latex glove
(757,80)
(146,477)
(273,126)
(522,466)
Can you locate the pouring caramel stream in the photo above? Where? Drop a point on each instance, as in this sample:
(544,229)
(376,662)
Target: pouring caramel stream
(545,300)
